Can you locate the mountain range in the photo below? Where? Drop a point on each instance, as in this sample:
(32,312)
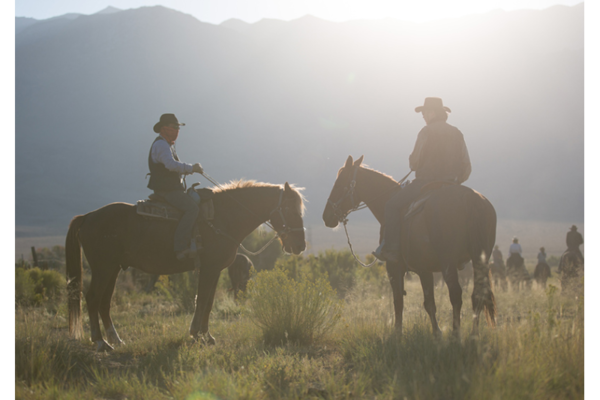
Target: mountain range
(279,101)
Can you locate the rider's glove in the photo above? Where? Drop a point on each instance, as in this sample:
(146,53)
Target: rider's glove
(197,168)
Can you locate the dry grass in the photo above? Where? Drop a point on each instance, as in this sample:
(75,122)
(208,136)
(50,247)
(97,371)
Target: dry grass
(536,352)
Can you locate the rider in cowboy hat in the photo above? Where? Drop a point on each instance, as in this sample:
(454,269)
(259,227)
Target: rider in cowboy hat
(166,173)
(440,154)
(574,240)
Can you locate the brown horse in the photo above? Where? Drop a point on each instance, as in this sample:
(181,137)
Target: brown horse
(456,225)
(518,274)
(498,272)
(570,269)
(115,237)
(541,274)
(239,274)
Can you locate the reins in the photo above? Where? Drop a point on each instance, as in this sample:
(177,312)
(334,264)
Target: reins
(343,216)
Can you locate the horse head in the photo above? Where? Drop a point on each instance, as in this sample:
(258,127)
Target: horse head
(286,218)
(343,197)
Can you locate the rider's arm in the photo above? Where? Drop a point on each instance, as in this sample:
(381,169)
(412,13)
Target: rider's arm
(161,153)
(415,157)
(465,160)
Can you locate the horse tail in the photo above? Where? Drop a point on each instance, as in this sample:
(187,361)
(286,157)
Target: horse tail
(482,236)
(74,277)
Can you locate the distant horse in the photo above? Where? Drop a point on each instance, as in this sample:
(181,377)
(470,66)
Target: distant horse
(456,225)
(239,274)
(541,274)
(517,273)
(499,275)
(115,237)
(570,269)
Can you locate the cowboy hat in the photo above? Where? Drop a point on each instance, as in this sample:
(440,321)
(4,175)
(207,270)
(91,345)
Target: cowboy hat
(432,103)
(166,119)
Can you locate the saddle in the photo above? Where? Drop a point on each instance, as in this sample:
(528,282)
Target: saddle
(156,206)
(426,191)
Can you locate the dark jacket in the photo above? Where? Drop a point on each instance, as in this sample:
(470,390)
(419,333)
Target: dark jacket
(574,240)
(161,179)
(440,153)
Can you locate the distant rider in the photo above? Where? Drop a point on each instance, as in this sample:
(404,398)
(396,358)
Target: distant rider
(574,240)
(497,256)
(515,248)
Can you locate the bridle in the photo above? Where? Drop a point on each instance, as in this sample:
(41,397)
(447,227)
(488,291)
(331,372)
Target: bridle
(279,233)
(286,229)
(337,211)
(342,216)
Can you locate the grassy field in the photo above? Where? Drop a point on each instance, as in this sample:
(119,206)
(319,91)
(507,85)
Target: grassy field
(536,351)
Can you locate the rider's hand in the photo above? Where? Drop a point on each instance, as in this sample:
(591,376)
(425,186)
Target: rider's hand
(197,168)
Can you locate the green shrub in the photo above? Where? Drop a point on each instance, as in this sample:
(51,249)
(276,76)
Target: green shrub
(338,267)
(34,286)
(24,287)
(293,311)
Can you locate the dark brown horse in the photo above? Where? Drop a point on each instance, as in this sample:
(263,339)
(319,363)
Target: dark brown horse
(456,225)
(541,274)
(115,237)
(239,274)
(570,269)
(517,273)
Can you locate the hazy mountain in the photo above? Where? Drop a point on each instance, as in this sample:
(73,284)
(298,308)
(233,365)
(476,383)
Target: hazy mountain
(288,101)
(236,24)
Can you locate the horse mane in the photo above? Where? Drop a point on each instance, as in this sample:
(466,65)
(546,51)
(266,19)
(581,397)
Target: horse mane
(383,175)
(243,184)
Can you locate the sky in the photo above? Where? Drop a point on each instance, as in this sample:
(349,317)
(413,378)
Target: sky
(217,11)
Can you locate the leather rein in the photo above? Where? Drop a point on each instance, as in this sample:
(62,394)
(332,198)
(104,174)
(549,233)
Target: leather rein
(342,216)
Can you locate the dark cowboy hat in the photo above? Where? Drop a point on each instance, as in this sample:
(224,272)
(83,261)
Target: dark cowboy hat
(432,103)
(166,119)
(573,228)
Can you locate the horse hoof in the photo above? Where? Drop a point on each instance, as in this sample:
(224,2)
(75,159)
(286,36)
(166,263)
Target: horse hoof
(207,339)
(101,346)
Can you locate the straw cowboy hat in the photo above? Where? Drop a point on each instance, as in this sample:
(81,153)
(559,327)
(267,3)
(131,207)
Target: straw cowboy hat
(432,103)
(166,119)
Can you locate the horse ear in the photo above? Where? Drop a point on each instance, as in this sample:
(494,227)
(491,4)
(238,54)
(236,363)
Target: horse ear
(348,162)
(359,161)
(287,188)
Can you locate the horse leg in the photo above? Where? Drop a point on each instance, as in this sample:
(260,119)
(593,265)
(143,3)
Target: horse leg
(109,328)
(204,326)
(455,293)
(396,276)
(429,300)
(100,280)
(206,279)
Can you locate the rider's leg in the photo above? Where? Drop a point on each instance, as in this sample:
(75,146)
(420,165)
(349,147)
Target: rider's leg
(183,232)
(389,249)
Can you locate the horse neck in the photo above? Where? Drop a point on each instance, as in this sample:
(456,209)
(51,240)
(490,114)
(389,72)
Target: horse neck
(247,208)
(374,189)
